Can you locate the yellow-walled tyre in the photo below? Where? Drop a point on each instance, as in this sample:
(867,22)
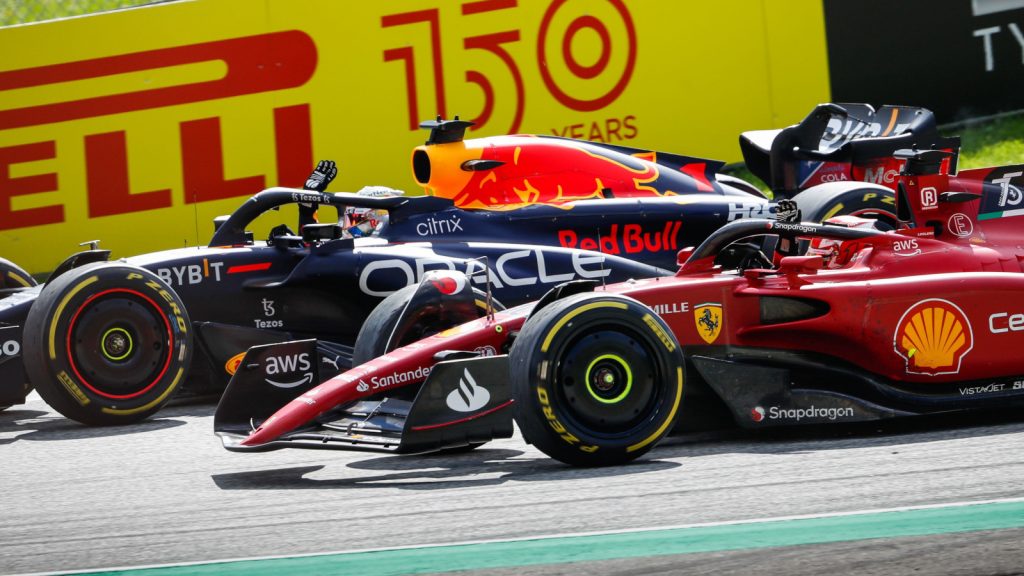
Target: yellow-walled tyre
(13,276)
(821,202)
(107,343)
(597,379)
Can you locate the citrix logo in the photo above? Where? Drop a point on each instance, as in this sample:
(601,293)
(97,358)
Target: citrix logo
(434,226)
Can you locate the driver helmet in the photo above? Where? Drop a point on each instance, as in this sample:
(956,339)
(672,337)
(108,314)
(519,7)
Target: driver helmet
(830,249)
(367,221)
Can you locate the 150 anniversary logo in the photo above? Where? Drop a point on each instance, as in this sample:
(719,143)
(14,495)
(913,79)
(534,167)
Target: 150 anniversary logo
(116,123)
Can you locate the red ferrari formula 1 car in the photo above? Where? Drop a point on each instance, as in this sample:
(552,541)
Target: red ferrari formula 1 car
(878,325)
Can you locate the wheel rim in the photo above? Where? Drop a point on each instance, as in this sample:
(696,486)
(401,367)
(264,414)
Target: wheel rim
(119,344)
(607,381)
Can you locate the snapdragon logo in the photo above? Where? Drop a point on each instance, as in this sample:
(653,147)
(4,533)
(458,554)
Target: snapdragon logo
(797,414)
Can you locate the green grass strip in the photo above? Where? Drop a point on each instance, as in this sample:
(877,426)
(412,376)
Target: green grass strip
(663,542)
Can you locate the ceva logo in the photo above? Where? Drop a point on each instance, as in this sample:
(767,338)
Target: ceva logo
(469,396)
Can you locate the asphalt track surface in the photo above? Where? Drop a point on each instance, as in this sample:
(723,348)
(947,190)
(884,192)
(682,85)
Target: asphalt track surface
(839,501)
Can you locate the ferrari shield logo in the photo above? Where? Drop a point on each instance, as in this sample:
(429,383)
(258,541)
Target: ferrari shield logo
(708,317)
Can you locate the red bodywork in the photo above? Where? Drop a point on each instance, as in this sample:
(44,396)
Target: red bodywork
(930,306)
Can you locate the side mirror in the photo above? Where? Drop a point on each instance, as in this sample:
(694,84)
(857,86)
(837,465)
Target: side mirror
(683,255)
(791,265)
(320,232)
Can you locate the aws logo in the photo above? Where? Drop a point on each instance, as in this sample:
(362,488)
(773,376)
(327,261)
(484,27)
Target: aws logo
(933,336)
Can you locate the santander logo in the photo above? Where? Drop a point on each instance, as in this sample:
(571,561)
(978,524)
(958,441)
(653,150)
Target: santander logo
(468,396)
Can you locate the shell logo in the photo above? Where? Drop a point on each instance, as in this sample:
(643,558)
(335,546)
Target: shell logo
(933,336)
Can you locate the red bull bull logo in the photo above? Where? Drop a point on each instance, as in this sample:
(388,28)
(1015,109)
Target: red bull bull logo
(508,172)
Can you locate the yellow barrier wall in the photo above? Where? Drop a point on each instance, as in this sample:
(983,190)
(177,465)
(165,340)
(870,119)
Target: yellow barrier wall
(139,126)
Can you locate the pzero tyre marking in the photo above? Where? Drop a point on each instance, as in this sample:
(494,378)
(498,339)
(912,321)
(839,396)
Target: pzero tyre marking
(107,343)
(597,379)
(821,202)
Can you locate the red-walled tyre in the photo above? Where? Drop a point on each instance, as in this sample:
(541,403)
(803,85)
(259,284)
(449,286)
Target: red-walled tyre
(107,343)
(597,379)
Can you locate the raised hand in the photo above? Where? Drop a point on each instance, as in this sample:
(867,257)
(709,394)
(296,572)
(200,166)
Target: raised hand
(322,175)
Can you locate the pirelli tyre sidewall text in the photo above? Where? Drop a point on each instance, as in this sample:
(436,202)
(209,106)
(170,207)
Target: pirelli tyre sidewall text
(107,343)
(376,331)
(597,379)
(821,202)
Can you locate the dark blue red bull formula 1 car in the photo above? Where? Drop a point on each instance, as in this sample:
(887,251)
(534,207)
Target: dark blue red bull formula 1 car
(870,325)
(111,342)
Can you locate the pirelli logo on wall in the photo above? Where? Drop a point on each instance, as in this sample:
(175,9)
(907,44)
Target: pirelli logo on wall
(240,66)
(139,126)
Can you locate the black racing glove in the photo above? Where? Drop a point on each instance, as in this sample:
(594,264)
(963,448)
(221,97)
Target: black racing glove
(787,211)
(322,175)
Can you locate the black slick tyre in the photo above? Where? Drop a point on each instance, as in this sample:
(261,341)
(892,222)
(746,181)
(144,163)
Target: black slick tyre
(107,343)
(376,331)
(597,379)
(13,276)
(821,202)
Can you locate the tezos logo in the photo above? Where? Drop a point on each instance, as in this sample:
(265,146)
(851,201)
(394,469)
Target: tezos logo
(757,414)
(469,396)
(288,364)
